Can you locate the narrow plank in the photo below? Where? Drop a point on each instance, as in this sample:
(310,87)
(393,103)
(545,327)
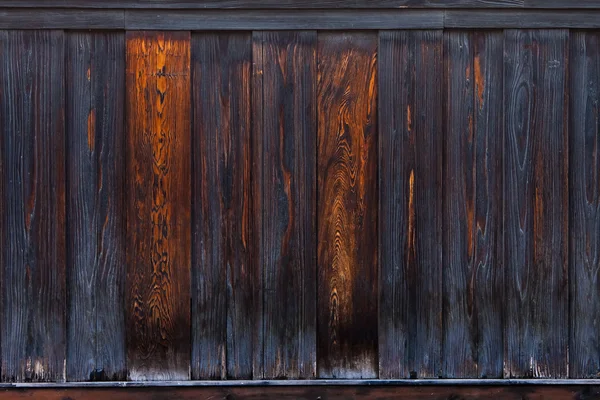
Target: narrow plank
(266,4)
(288,213)
(536,204)
(472,244)
(95,97)
(488,228)
(371,392)
(584,347)
(48,18)
(158,197)
(410,172)
(459,344)
(347,218)
(572,18)
(33,206)
(336,19)
(257,187)
(222,296)
(562,4)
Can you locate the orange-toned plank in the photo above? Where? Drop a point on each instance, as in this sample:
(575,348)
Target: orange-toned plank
(347,206)
(158,202)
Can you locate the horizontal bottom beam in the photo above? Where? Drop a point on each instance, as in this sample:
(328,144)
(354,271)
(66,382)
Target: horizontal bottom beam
(323,392)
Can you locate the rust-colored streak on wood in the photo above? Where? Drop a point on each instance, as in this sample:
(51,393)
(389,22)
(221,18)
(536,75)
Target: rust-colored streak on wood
(347,215)
(158,205)
(479,80)
(91,129)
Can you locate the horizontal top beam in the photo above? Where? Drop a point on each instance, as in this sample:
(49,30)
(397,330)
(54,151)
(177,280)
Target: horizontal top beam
(298,4)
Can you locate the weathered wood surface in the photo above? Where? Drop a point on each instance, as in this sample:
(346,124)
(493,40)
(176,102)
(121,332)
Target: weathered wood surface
(347,212)
(536,203)
(286,159)
(562,392)
(472,241)
(410,156)
(95,114)
(223,284)
(158,203)
(584,232)
(33,324)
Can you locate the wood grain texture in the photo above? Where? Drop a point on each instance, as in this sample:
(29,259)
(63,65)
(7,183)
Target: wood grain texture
(486,19)
(584,346)
(347,215)
(410,173)
(95,73)
(48,18)
(472,279)
(223,284)
(266,4)
(33,206)
(158,197)
(536,203)
(287,159)
(338,19)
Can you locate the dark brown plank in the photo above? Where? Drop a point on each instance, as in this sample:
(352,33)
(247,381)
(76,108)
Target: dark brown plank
(33,206)
(283,19)
(222,302)
(374,392)
(265,4)
(347,215)
(287,162)
(472,244)
(536,204)
(95,106)
(584,348)
(488,228)
(459,345)
(158,197)
(410,109)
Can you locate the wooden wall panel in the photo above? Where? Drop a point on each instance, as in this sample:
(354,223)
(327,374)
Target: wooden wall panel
(223,284)
(96,254)
(286,159)
(584,344)
(158,190)
(347,212)
(33,206)
(536,203)
(410,107)
(472,275)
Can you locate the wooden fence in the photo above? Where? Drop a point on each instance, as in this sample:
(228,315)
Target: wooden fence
(319,197)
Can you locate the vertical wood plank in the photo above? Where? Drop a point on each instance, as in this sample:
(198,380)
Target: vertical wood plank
(410,173)
(536,204)
(257,186)
(488,224)
(459,346)
(222,298)
(158,197)
(288,213)
(95,96)
(584,344)
(33,329)
(347,215)
(472,303)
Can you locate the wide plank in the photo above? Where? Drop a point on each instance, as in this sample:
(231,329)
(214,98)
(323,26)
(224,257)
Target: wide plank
(223,280)
(33,328)
(158,203)
(347,215)
(584,344)
(95,106)
(287,162)
(472,242)
(410,207)
(536,204)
